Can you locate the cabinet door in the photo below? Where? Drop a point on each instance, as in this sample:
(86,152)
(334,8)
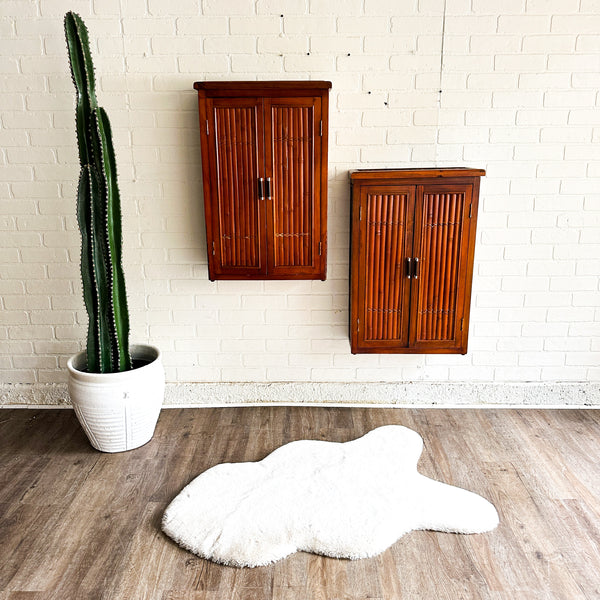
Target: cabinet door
(234,214)
(439,296)
(381,242)
(293,209)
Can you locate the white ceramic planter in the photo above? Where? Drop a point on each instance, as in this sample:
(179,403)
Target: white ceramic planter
(118,411)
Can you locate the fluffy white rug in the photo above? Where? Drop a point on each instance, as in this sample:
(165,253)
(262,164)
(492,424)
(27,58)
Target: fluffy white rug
(346,500)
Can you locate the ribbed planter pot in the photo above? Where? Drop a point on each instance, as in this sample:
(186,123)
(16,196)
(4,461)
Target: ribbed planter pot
(118,411)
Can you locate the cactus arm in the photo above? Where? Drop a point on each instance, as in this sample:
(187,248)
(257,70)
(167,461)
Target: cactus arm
(101,275)
(93,273)
(105,156)
(82,73)
(84,195)
(115,240)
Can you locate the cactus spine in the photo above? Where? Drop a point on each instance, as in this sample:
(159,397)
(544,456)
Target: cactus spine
(98,216)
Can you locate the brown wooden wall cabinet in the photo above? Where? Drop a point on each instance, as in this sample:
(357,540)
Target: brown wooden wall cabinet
(413,241)
(264,165)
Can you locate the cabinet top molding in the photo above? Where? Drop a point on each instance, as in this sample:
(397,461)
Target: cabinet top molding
(225,87)
(370,174)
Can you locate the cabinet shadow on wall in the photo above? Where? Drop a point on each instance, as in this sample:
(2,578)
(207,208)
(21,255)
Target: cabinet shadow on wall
(189,187)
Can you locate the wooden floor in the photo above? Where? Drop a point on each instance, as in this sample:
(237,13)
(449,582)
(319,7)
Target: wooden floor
(78,524)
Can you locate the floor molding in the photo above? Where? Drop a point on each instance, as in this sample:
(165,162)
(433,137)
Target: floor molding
(556,394)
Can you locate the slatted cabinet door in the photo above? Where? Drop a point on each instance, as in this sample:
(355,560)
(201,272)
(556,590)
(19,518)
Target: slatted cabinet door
(384,238)
(264,169)
(293,213)
(413,240)
(237,231)
(442,234)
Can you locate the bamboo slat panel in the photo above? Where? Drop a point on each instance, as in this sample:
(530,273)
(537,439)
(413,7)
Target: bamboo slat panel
(384,271)
(442,230)
(237,196)
(293,185)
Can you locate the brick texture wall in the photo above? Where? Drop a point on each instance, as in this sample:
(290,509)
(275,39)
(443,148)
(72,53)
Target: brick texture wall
(509,86)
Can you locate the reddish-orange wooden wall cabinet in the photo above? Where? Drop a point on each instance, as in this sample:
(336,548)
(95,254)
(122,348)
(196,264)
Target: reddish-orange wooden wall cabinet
(413,241)
(264,166)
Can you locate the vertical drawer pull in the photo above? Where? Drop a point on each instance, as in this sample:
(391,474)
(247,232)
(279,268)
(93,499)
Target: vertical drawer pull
(261,190)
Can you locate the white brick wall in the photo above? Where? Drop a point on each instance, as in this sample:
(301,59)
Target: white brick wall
(517,95)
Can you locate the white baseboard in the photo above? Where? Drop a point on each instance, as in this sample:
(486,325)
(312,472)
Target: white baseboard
(425,394)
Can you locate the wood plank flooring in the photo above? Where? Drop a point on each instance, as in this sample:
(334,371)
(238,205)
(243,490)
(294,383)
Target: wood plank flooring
(79,524)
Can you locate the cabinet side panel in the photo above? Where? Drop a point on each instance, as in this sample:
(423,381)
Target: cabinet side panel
(439,294)
(237,196)
(293,189)
(384,267)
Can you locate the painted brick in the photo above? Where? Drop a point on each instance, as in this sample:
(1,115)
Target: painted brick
(256,26)
(414,63)
(567,344)
(308,62)
(492,81)
(10,65)
(551,268)
(309,25)
(495,299)
(580,24)
(565,134)
(547,117)
(472,24)
(563,374)
(534,359)
(586,298)
(519,98)
(570,314)
(491,7)
(363,25)
(572,62)
(457,135)
(158,8)
(363,63)
(148,26)
(519,344)
(264,64)
(546,7)
(228,7)
(514,63)
(390,44)
(587,43)
(471,373)
(409,99)
(544,81)
(364,136)
(549,43)
(285,44)
(517,374)
(490,45)
(387,118)
(204,25)
(523,24)
(591,359)
(525,284)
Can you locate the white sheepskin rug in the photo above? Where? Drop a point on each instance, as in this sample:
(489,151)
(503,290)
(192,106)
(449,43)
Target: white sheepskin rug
(346,500)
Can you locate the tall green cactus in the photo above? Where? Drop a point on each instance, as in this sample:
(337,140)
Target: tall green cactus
(98,215)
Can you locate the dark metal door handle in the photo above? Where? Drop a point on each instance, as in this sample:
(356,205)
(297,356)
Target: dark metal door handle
(416,271)
(261,191)
(268,188)
(408,268)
